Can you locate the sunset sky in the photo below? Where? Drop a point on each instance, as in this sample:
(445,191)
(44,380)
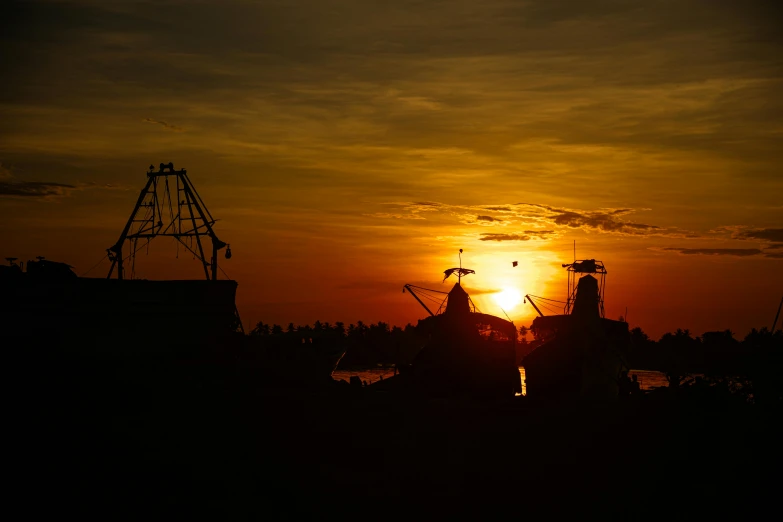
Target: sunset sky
(349,147)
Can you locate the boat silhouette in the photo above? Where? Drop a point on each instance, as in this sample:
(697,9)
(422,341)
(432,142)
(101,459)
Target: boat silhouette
(467,352)
(45,303)
(581,353)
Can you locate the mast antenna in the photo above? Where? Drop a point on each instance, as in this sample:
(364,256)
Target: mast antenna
(459,271)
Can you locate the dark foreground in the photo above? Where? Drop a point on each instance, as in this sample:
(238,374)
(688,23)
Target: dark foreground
(177,442)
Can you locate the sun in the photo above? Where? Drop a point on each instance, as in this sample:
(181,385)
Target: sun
(508,298)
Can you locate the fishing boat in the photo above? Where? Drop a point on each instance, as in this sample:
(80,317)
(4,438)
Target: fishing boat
(467,351)
(581,353)
(46,304)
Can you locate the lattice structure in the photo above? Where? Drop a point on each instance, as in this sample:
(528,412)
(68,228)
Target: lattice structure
(172,208)
(580,268)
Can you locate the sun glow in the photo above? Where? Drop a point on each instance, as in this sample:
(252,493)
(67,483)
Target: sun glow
(508,298)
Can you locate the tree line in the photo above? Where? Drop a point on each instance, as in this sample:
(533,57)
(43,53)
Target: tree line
(364,344)
(756,358)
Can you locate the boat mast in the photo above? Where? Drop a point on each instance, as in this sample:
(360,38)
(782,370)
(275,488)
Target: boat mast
(461,272)
(149,223)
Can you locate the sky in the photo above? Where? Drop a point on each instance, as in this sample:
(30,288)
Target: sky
(350,147)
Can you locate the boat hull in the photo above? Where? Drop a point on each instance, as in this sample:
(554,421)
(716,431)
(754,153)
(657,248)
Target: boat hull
(117,317)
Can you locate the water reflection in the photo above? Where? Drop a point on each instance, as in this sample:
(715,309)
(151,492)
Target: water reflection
(648,380)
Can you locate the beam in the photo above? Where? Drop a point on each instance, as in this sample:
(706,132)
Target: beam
(534,305)
(408,287)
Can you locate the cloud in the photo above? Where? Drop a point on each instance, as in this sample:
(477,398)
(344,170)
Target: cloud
(763,234)
(425,206)
(34,189)
(540,233)
(11,186)
(739,252)
(526,236)
(481,220)
(602,220)
(504,208)
(387,215)
(165,124)
(504,237)
(605,220)
(5,172)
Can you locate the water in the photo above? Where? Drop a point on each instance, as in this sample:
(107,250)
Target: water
(648,380)
(369,376)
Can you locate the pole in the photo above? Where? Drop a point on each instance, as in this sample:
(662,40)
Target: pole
(117,248)
(774,324)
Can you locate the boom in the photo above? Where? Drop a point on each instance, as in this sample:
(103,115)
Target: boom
(528,298)
(408,287)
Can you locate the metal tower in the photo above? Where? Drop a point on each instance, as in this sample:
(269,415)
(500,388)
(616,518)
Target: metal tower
(160,211)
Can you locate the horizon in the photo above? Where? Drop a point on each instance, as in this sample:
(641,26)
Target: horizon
(348,149)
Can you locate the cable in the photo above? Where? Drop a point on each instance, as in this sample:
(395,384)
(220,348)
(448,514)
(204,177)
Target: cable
(95,265)
(224,272)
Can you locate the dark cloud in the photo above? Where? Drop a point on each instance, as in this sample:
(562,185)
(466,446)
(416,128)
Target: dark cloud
(5,173)
(34,189)
(601,220)
(740,252)
(610,220)
(389,215)
(764,234)
(504,237)
(165,124)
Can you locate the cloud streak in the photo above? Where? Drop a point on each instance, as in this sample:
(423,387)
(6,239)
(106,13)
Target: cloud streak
(602,220)
(526,236)
(763,234)
(164,124)
(737,252)
(504,237)
(34,189)
(522,215)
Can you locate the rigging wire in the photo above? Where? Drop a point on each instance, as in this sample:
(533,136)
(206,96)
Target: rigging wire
(546,299)
(95,265)
(224,272)
(195,255)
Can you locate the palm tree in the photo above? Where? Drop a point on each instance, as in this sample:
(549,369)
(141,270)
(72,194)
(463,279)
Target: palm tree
(523,330)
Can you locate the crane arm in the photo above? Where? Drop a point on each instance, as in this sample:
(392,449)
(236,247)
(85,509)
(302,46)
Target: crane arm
(528,298)
(410,290)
